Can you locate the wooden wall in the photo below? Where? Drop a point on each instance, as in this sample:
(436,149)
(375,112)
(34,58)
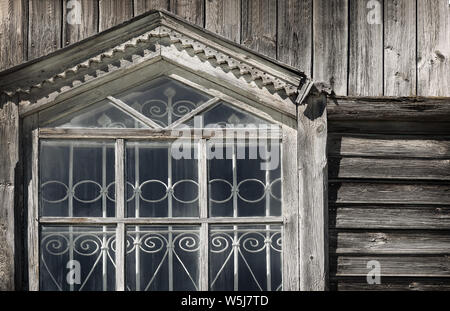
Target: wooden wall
(406,54)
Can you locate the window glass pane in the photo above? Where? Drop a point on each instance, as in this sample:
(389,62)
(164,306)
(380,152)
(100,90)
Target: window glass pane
(100,115)
(162,258)
(226,115)
(244,179)
(163,100)
(245,258)
(77,179)
(160,182)
(77,258)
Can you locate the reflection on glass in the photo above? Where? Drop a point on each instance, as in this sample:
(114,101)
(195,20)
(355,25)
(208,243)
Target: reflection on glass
(77,179)
(158,183)
(226,115)
(99,115)
(163,100)
(245,258)
(243,183)
(162,258)
(77,258)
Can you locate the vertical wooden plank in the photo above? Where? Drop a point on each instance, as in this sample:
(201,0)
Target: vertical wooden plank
(330,40)
(114,12)
(191,10)
(400,48)
(313,205)
(33,225)
(9,146)
(433,48)
(120,213)
(80,20)
(12,33)
(295,34)
(224,18)
(203,201)
(142,6)
(44,31)
(259,26)
(291,277)
(366,48)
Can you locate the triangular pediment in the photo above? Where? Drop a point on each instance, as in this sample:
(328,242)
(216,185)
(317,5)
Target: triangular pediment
(157,37)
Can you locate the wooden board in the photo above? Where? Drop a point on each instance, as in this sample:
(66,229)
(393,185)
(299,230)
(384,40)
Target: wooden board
(369,168)
(142,6)
(224,18)
(349,216)
(433,43)
(400,48)
(392,284)
(389,193)
(388,146)
(13,33)
(190,10)
(114,12)
(75,30)
(331,44)
(366,48)
(44,31)
(259,26)
(294,46)
(396,242)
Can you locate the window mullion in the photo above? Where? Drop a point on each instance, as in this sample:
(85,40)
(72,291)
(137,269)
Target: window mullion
(120,213)
(203,204)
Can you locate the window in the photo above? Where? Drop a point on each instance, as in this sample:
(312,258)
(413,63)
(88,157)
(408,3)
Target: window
(163,187)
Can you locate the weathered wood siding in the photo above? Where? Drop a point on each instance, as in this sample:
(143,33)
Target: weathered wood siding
(389,192)
(359,47)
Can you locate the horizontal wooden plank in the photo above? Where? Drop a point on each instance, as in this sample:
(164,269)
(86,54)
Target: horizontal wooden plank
(369,168)
(398,242)
(388,146)
(390,127)
(391,284)
(407,266)
(403,108)
(389,193)
(389,217)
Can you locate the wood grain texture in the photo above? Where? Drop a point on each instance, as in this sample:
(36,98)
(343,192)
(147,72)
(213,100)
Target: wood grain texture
(370,168)
(411,266)
(44,31)
(433,43)
(366,48)
(88,26)
(13,33)
(294,33)
(190,10)
(9,144)
(389,109)
(392,284)
(391,243)
(313,210)
(391,146)
(114,12)
(330,25)
(389,193)
(390,217)
(400,48)
(259,26)
(224,18)
(142,6)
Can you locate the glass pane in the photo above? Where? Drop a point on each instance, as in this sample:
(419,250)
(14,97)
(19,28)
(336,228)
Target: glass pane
(162,258)
(225,115)
(77,179)
(244,179)
(163,100)
(159,182)
(77,258)
(245,258)
(100,115)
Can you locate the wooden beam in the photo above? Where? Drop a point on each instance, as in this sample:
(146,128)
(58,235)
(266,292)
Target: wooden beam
(313,209)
